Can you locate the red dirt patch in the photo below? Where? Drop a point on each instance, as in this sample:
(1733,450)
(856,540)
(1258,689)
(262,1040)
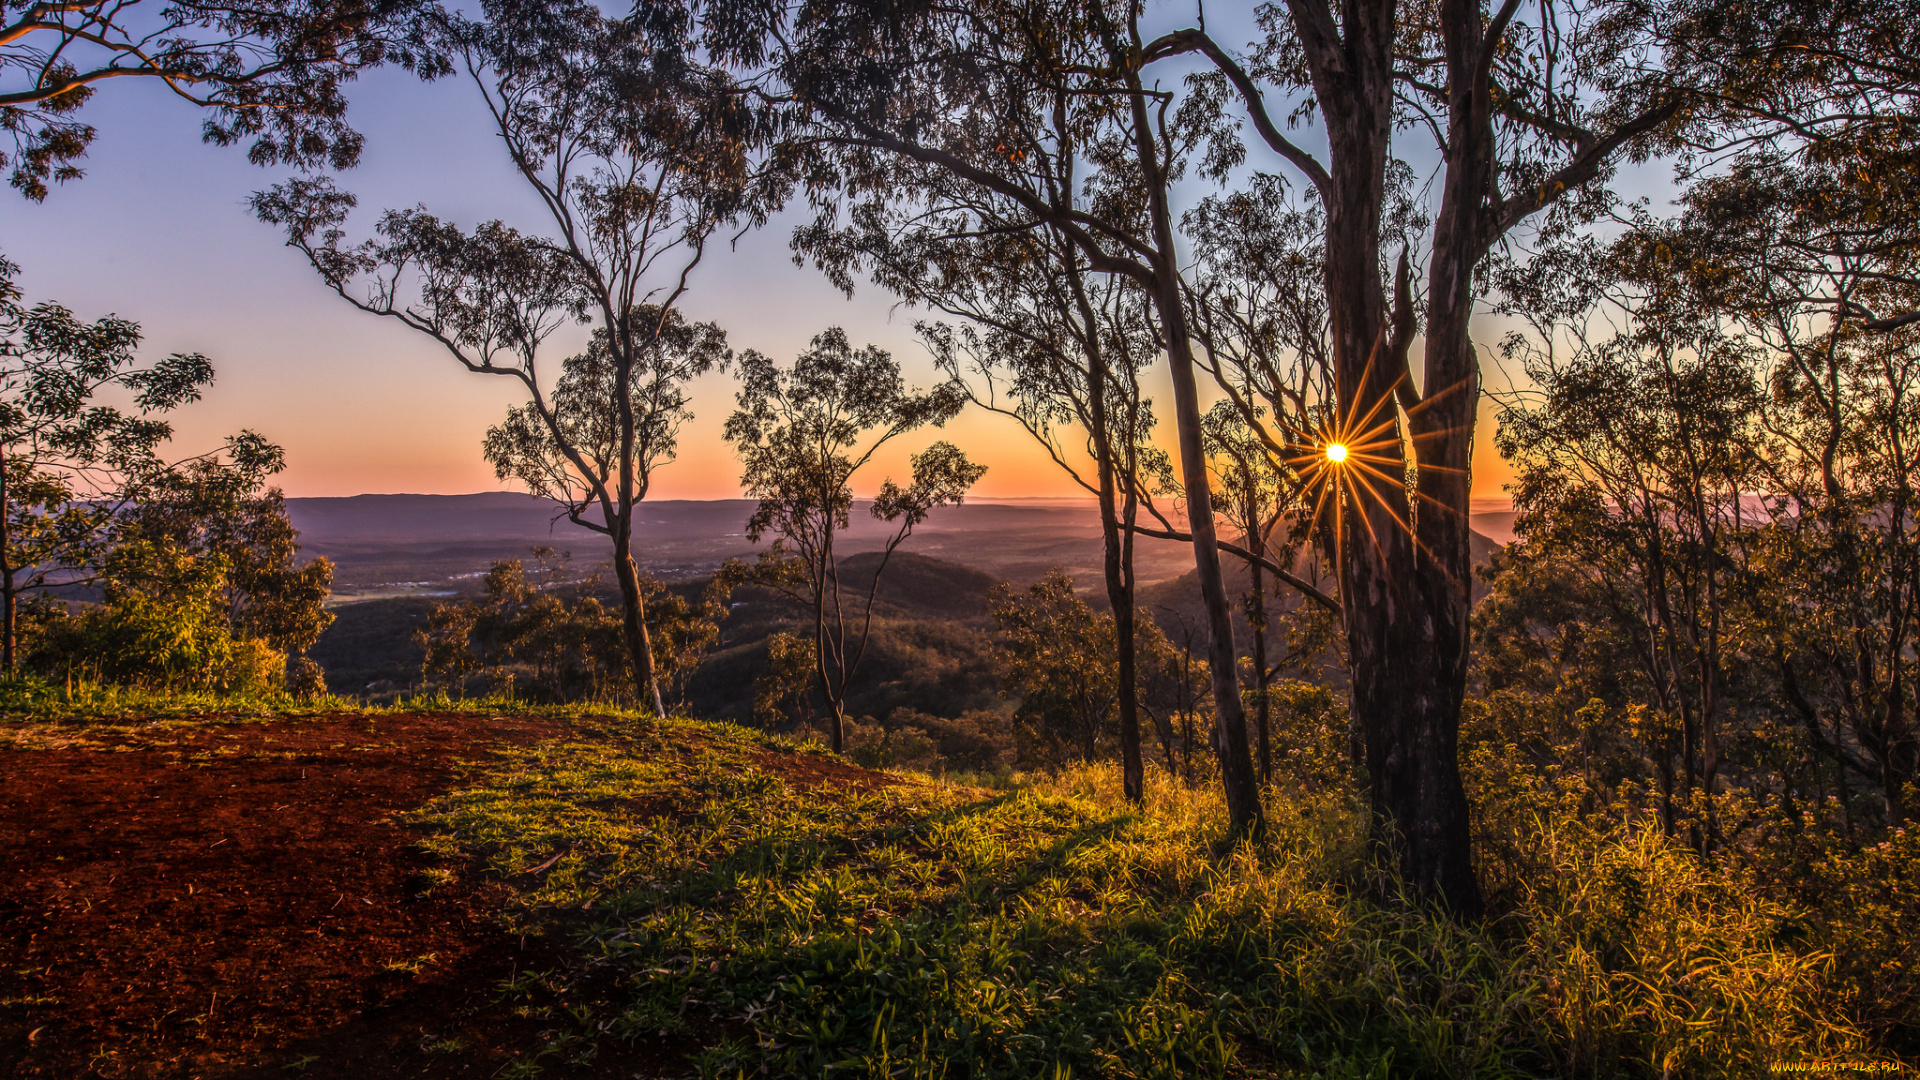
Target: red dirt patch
(231,899)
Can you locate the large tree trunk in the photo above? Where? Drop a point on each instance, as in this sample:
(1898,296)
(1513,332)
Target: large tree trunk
(1420,786)
(1405,614)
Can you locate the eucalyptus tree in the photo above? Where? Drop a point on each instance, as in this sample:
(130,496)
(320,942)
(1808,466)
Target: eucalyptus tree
(1046,343)
(1811,149)
(1841,580)
(70,460)
(1840,591)
(802,433)
(1056,352)
(274,71)
(1531,109)
(1795,238)
(1009,101)
(1635,464)
(638,155)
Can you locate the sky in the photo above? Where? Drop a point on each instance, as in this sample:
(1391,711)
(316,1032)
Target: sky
(159,232)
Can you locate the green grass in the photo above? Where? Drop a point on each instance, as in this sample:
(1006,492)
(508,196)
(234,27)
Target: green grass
(936,930)
(31,707)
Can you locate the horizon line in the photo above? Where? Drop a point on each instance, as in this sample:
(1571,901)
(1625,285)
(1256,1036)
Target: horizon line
(1476,503)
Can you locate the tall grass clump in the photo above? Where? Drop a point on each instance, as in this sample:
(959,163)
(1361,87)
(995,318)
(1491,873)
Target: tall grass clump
(927,929)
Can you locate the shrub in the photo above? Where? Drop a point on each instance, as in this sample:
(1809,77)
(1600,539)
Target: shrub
(892,747)
(163,626)
(305,679)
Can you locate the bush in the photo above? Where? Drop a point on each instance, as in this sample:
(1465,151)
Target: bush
(1309,736)
(892,747)
(163,626)
(305,679)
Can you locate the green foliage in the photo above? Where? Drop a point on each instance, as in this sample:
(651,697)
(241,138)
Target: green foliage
(1569,809)
(196,564)
(37,710)
(898,745)
(550,635)
(802,432)
(542,444)
(219,505)
(780,693)
(935,930)
(1720,529)
(163,626)
(273,72)
(551,639)
(1061,660)
(68,460)
(1311,737)
(305,679)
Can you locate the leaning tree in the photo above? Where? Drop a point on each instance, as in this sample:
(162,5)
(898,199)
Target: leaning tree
(1043,341)
(876,96)
(638,155)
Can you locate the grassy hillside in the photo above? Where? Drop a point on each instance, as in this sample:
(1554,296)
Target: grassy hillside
(395,894)
(820,921)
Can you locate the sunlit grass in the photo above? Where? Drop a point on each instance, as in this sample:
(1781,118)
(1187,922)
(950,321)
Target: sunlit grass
(932,929)
(34,711)
(30,704)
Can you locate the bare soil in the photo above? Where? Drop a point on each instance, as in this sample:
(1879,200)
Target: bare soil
(239,899)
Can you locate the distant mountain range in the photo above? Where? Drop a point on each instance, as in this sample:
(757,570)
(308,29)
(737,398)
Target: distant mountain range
(399,545)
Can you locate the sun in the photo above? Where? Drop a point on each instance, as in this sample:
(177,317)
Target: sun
(1336,452)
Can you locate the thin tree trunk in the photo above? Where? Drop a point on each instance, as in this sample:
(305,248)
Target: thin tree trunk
(1130,508)
(1119,589)
(836,707)
(1242,790)
(1257,618)
(633,601)
(7,592)
(1186,706)
(633,620)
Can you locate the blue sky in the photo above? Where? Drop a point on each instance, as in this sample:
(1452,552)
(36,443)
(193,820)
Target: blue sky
(159,232)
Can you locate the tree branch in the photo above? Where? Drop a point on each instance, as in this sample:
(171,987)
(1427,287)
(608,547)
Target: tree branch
(1306,588)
